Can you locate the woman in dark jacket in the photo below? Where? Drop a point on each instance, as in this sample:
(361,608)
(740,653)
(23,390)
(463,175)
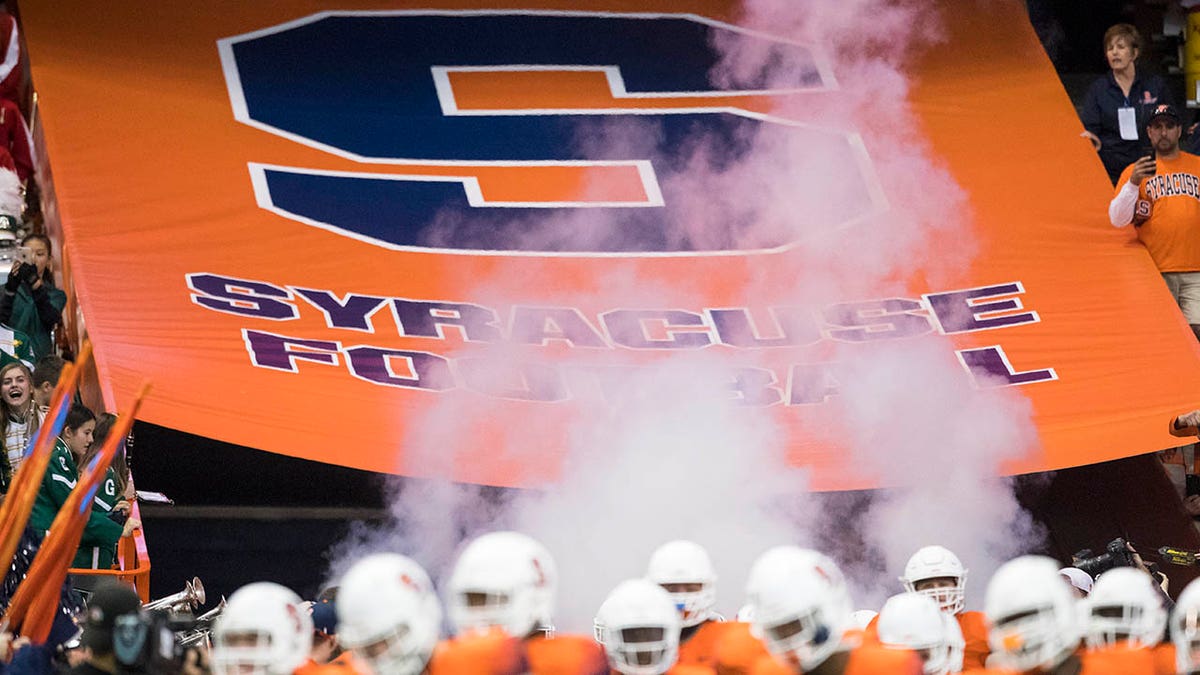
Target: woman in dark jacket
(1118,104)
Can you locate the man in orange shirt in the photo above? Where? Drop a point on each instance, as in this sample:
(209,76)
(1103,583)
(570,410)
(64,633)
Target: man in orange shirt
(936,572)
(639,627)
(1160,195)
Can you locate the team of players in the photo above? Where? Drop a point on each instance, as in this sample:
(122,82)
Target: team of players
(798,618)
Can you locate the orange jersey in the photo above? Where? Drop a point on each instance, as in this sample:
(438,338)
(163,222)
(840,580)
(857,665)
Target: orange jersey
(1134,661)
(1169,203)
(700,646)
(331,668)
(975,635)
(490,653)
(565,655)
(864,660)
(736,650)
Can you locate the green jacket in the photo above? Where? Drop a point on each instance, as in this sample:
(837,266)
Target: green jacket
(34,313)
(98,545)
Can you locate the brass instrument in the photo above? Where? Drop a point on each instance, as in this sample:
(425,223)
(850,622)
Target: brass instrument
(191,597)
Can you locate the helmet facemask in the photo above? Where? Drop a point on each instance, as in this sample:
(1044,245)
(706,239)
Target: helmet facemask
(1031,639)
(806,637)
(643,650)
(950,598)
(246,652)
(393,653)
(695,606)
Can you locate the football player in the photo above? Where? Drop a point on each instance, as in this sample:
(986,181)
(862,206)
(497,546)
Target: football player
(684,570)
(264,630)
(1126,621)
(802,611)
(936,572)
(913,621)
(639,625)
(388,615)
(500,599)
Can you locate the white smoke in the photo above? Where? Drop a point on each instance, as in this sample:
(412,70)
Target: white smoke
(672,456)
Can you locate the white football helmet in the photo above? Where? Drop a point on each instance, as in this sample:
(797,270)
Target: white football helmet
(505,580)
(937,562)
(264,630)
(640,628)
(801,605)
(1034,618)
(863,618)
(685,562)
(388,614)
(958,645)
(1185,628)
(914,621)
(1124,605)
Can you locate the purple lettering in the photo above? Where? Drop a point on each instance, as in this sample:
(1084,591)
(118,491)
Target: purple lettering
(876,320)
(425,319)
(756,387)
(281,353)
(539,325)
(811,383)
(962,311)
(241,297)
(420,370)
(793,326)
(989,367)
(627,327)
(354,312)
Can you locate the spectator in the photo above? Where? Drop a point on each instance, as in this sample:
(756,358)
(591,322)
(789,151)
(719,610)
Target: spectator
(30,302)
(120,466)
(1161,197)
(19,416)
(45,377)
(1115,108)
(98,546)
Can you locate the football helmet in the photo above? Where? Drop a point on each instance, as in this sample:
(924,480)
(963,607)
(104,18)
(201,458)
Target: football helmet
(801,605)
(863,618)
(954,638)
(264,630)
(937,562)
(640,628)
(1034,618)
(1185,628)
(1124,605)
(388,614)
(685,562)
(505,580)
(914,621)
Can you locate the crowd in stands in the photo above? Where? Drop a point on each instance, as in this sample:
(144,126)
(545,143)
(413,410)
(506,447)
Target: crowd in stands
(495,615)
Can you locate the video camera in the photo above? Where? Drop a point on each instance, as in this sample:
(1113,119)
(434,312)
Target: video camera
(147,642)
(1116,554)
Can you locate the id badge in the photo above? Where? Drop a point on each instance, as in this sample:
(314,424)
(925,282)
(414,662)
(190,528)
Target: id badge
(1127,121)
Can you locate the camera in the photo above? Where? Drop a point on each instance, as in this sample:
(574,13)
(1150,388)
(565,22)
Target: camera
(146,642)
(1116,554)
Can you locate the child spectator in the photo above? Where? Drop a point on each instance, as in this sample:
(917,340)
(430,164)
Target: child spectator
(46,372)
(19,417)
(98,546)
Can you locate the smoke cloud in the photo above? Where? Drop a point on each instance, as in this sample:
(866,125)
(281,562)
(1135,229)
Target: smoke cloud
(676,454)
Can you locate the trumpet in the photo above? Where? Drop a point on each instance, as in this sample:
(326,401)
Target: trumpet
(189,598)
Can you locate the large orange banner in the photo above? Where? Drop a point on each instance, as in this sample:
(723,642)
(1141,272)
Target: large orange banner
(321,231)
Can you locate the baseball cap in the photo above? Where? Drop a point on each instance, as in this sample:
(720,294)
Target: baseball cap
(1164,110)
(111,600)
(324,618)
(1077,578)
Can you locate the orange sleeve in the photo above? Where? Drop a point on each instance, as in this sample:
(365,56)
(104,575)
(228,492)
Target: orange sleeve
(870,659)
(1164,659)
(975,635)
(736,651)
(487,654)
(765,665)
(565,655)
(701,646)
